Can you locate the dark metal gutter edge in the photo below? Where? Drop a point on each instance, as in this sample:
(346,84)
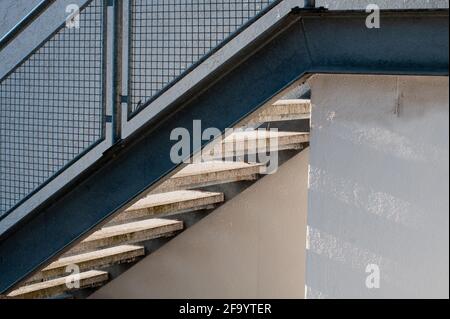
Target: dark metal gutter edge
(343,13)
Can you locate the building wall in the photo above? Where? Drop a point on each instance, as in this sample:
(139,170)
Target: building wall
(251,247)
(379,184)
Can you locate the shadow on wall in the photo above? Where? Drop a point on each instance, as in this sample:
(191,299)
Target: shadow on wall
(379,187)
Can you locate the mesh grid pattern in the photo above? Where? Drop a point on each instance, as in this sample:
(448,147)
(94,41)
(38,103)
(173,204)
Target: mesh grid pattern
(169,36)
(51,107)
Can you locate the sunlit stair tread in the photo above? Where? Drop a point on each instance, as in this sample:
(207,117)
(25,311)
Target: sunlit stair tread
(128,233)
(58,286)
(260,139)
(210,173)
(216,167)
(170,203)
(88,261)
(266,134)
(283,110)
(256,142)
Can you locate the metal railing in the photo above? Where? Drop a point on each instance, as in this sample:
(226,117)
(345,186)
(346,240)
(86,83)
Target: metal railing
(53,104)
(167,38)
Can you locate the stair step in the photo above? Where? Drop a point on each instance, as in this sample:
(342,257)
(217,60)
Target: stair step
(170,203)
(58,286)
(128,233)
(92,260)
(258,141)
(210,173)
(283,110)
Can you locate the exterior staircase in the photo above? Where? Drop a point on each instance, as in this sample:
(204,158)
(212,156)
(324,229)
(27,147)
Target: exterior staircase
(177,203)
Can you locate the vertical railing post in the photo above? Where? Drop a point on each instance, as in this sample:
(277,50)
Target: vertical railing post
(310,3)
(117,70)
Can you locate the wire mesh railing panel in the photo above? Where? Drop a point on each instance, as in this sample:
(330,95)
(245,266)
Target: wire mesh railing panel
(52,107)
(167,37)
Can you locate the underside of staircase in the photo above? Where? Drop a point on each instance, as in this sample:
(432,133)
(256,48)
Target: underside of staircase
(176,204)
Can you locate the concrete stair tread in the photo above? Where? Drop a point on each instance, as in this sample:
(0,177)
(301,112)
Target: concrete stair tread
(127,233)
(133,227)
(291,106)
(213,167)
(256,141)
(170,203)
(283,110)
(296,102)
(102,256)
(264,134)
(161,199)
(208,173)
(57,286)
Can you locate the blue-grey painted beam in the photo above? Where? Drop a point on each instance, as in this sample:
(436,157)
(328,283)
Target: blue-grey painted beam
(306,42)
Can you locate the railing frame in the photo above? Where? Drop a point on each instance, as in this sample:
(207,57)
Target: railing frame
(154,107)
(127,5)
(93,153)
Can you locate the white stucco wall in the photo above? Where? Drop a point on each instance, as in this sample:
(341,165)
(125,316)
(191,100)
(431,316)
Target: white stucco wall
(379,183)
